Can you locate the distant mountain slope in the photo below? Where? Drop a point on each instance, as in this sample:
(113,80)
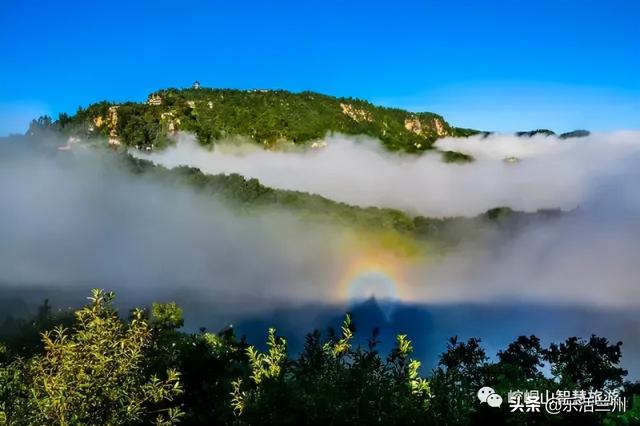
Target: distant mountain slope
(547,132)
(268,117)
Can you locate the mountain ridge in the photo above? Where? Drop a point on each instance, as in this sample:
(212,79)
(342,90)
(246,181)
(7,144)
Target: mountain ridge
(266,117)
(271,118)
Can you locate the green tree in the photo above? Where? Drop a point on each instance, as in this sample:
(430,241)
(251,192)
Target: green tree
(460,373)
(332,382)
(592,364)
(524,357)
(39,125)
(94,374)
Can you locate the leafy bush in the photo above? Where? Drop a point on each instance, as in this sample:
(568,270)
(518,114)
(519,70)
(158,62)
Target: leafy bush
(91,374)
(331,382)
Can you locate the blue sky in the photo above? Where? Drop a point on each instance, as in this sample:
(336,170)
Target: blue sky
(495,65)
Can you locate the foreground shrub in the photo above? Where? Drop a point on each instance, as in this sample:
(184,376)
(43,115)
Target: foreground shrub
(93,374)
(332,382)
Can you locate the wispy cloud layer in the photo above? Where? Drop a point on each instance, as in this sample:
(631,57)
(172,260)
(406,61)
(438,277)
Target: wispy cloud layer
(80,219)
(550,173)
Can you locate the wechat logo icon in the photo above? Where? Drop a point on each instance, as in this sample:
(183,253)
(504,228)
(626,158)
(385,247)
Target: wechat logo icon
(488,395)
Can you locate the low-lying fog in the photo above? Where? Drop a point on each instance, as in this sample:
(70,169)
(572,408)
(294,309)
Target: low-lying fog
(587,257)
(551,173)
(72,220)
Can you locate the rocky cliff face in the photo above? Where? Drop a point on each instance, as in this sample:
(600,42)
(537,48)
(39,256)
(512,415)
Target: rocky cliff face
(423,127)
(106,123)
(355,114)
(413,124)
(112,123)
(439,125)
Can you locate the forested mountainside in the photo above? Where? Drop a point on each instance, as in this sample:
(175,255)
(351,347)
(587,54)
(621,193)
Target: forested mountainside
(271,118)
(267,117)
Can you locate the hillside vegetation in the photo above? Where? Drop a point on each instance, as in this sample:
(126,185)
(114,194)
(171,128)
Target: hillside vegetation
(271,118)
(267,117)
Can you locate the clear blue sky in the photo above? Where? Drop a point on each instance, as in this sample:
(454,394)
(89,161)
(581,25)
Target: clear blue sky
(496,65)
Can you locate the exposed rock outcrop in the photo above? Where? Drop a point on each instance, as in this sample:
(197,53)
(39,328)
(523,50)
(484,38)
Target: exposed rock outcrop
(434,125)
(112,122)
(356,114)
(439,126)
(413,124)
(171,121)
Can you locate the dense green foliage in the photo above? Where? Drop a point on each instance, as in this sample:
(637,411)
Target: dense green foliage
(267,117)
(272,118)
(104,369)
(332,382)
(92,374)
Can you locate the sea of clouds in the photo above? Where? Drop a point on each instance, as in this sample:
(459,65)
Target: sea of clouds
(586,257)
(76,219)
(80,218)
(551,172)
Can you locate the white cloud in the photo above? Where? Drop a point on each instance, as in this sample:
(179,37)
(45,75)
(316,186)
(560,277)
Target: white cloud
(553,173)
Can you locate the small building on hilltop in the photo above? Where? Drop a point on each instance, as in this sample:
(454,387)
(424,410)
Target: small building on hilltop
(154,99)
(196,85)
